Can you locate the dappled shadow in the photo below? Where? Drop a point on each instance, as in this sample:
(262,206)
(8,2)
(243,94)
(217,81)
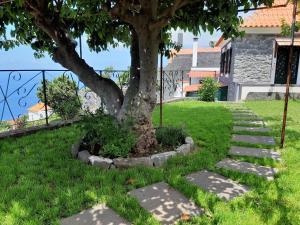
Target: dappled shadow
(245,167)
(98,215)
(165,203)
(223,187)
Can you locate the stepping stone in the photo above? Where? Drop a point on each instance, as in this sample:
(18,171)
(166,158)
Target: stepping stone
(248,122)
(254,152)
(246,117)
(265,140)
(165,203)
(223,187)
(245,167)
(98,215)
(253,129)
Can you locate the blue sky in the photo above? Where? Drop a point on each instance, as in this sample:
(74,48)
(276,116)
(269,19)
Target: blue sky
(22,57)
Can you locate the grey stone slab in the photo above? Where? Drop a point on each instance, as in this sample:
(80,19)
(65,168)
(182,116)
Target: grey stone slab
(98,215)
(246,117)
(265,140)
(184,149)
(253,129)
(129,162)
(160,158)
(223,187)
(84,156)
(254,152)
(249,122)
(245,167)
(165,203)
(99,161)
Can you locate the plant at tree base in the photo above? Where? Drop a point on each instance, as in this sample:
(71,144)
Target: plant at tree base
(208,90)
(52,26)
(104,136)
(61,96)
(170,136)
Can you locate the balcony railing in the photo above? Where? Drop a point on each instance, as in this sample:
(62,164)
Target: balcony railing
(19,103)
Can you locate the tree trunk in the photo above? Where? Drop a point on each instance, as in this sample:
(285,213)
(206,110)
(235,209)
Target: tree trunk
(106,89)
(140,100)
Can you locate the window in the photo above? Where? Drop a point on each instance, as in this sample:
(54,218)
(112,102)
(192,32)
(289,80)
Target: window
(226,61)
(282,64)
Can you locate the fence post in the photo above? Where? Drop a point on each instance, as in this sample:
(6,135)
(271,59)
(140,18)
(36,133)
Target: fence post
(182,83)
(45,97)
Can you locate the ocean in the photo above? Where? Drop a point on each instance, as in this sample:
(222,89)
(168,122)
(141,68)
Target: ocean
(18,91)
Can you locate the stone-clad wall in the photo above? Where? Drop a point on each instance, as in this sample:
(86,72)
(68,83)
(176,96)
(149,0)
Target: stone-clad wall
(253,59)
(208,59)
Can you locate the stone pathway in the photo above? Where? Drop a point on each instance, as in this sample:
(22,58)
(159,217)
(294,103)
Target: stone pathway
(245,167)
(168,205)
(254,152)
(223,187)
(249,122)
(253,129)
(165,203)
(265,140)
(98,215)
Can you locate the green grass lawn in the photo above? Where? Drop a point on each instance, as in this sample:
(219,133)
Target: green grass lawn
(40,182)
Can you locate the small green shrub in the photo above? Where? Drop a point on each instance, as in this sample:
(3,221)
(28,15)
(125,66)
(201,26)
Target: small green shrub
(61,96)
(104,136)
(208,90)
(170,136)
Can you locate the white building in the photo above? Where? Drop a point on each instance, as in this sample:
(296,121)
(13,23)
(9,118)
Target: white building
(38,112)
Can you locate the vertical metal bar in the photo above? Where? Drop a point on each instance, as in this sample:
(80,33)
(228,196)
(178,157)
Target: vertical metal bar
(182,83)
(161,90)
(289,76)
(80,47)
(45,96)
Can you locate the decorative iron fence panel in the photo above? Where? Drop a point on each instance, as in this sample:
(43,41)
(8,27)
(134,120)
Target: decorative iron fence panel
(24,94)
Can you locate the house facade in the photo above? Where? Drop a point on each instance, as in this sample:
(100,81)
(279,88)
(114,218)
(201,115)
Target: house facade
(38,112)
(255,66)
(193,65)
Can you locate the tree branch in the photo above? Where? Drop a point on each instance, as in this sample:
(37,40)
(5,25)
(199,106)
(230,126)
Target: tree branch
(168,13)
(66,55)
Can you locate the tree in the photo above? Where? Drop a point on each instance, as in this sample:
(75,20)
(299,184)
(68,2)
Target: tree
(208,90)
(61,96)
(53,25)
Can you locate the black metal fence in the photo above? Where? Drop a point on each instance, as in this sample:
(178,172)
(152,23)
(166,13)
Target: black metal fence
(24,100)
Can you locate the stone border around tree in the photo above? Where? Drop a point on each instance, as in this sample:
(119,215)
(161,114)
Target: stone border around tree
(156,160)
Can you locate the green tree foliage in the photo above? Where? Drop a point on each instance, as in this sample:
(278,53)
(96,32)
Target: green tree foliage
(286,29)
(208,90)
(61,96)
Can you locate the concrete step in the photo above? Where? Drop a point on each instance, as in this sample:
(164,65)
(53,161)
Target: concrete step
(251,129)
(254,152)
(165,203)
(223,187)
(249,122)
(245,167)
(98,215)
(265,140)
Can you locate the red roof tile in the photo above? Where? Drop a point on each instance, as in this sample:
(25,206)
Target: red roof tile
(200,74)
(192,87)
(270,17)
(38,107)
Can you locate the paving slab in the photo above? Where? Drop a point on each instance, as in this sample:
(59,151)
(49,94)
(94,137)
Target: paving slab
(245,167)
(246,117)
(254,152)
(165,203)
(251,129)
(223,187)
(265,140)
(249,122)
(98,215)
